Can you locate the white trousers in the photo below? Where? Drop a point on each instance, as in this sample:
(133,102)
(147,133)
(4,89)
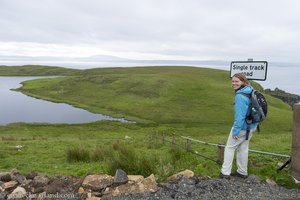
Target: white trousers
(241,145)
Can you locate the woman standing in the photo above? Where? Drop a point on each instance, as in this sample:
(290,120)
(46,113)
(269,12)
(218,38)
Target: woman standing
(238,139)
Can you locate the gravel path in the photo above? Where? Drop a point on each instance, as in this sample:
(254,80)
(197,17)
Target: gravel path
(206,188)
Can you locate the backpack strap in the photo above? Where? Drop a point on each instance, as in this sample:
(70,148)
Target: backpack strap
(248,119)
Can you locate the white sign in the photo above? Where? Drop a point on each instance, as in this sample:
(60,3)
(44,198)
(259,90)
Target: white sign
(253,70)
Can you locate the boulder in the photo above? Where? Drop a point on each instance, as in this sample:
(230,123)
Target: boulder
(5,177)
(120,177)
(97,182)
(31,175)
(186,173)
(135,178)
(147,185)
(19,178)
(9,185)
(18,193)
(40,181)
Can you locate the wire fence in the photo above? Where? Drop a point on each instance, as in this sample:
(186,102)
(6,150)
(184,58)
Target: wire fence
(187,143)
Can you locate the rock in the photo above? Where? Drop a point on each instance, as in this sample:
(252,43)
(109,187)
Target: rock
(31,175)
(93,198)
(97,182)
(26,184)
(18,193)
(127,137)
(9,185)
(253,179)
(40,181)
(81,190)
(186,173)
(55,186)
(135,178)
(19,178)
(147,185)
(120,177)
(150,184)
(5,177)
(271,182)
(3,195)
(280,164)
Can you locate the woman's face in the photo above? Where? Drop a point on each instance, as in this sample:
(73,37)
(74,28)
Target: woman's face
(236,83)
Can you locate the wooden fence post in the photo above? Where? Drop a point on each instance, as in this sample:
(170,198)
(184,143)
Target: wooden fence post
(296,143)
(188,145)
(220,154)
(163,137)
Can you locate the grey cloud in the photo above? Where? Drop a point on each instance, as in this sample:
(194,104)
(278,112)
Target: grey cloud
(218,29)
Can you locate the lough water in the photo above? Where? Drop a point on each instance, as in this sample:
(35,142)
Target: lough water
(17,107)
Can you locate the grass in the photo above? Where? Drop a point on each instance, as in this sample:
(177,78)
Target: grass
(187,101)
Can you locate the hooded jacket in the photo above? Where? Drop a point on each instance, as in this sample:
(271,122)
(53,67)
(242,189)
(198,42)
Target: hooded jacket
(241,110)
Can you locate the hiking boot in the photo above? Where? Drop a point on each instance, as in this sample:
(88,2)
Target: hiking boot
(236,174)
(224,176)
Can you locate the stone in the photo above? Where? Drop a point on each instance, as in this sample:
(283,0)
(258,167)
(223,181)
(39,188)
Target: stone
(18,193)
(19,178)
(9,185)
(150,184)
(93,198)
(271,182)
(147,185)
(40,181)
(120,177)
(97,182)
(3,195)
(5,177)
(55,186)
(81,190)
(135,178)
(31,175)
(186,173)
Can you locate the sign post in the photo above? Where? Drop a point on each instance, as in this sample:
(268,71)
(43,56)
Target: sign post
(253,70)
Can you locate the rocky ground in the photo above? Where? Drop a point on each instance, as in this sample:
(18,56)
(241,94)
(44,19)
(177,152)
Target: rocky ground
(183,185)
(221,189)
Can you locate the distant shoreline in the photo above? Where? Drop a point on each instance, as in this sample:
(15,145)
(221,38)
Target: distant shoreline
(279,75)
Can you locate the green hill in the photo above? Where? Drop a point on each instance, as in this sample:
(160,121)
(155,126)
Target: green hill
(188,101)
(36,70)
(162,95)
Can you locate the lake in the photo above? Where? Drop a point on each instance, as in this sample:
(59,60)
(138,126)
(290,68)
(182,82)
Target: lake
(17,107)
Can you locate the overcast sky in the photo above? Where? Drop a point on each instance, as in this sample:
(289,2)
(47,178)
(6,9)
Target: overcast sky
(153,29)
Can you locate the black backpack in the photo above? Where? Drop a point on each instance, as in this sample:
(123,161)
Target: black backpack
(258,106)
(258,109)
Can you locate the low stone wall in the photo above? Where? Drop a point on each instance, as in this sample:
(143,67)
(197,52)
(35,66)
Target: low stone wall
(183,185)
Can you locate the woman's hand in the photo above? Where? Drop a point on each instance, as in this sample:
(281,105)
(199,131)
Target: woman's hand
(235,137)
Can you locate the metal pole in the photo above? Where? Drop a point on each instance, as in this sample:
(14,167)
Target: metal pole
(296,143)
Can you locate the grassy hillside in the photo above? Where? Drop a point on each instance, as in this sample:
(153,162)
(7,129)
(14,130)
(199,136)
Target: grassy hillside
(189,101)
(36,70)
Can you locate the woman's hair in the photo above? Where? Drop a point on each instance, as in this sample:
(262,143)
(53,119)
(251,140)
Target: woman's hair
(242,78)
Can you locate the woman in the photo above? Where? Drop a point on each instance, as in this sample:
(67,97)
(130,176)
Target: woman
(237,137)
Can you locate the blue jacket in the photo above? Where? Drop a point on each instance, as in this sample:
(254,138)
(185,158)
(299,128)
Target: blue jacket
(241,110)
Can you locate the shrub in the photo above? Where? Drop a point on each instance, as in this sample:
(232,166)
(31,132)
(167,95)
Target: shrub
(77,154)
